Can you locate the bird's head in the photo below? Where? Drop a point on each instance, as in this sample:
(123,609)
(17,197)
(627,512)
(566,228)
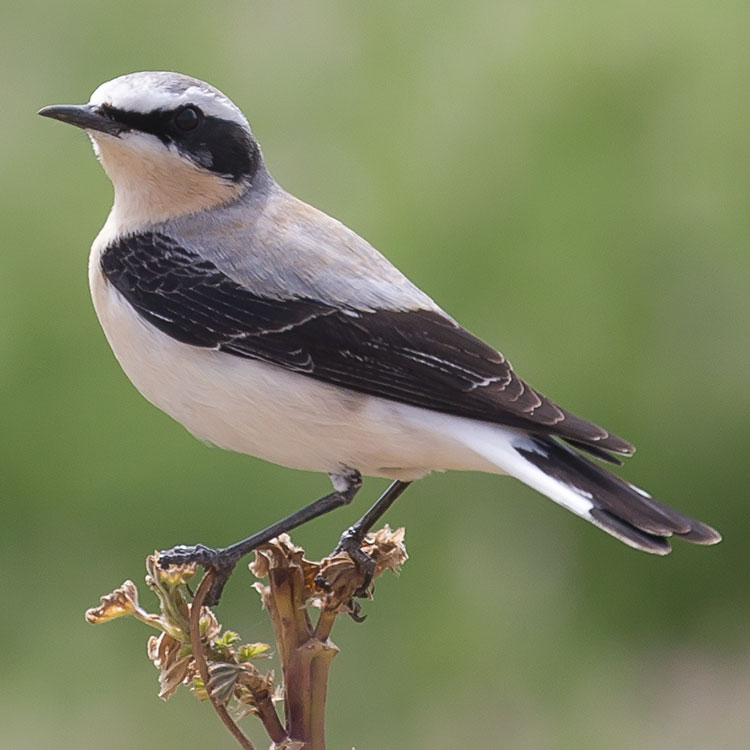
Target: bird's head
(171,144)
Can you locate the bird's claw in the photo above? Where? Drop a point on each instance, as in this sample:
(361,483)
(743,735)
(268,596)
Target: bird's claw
(354,611)
(220,561)
(351,543)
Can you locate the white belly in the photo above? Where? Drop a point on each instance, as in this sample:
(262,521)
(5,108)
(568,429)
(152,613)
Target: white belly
(265,411)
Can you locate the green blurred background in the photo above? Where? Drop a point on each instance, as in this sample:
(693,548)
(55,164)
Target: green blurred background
(570,180)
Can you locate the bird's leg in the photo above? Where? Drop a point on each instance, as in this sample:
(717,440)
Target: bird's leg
(223,559)
(351,540)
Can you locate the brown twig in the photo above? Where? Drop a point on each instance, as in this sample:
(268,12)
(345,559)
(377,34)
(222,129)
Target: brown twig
(291,629)
(200,661)
(304,658)
(266,712)
(323,627)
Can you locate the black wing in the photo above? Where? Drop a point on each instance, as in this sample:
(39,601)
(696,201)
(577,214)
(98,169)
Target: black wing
(418,357)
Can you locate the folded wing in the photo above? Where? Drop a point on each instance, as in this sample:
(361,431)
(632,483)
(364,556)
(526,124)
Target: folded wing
(419,357)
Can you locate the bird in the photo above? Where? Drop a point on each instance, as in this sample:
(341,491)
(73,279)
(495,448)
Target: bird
(267,327)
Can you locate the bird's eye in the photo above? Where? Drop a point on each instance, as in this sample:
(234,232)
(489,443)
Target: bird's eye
(187,118)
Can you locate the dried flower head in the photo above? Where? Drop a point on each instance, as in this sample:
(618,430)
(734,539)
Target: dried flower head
(122,601)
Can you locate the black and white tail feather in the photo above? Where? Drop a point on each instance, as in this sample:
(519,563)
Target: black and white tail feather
(590,491)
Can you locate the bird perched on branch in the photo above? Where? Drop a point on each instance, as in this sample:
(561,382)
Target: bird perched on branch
(266,327)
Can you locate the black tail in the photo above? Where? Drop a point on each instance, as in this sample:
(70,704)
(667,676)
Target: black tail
(617,507)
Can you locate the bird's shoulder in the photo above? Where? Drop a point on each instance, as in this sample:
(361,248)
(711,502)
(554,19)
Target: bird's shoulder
(280,246)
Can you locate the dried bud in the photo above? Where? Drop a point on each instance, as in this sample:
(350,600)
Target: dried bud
(342,579)
(387,548)
(278,554)
(209,625)
(174,661)
(122,601)
(170,577)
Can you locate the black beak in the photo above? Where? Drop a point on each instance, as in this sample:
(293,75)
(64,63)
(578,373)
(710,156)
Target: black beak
(84,116)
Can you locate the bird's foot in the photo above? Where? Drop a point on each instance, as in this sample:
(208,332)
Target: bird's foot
(221,561)
(351,543)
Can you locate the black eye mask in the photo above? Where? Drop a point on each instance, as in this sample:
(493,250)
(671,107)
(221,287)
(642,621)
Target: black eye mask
(216,144)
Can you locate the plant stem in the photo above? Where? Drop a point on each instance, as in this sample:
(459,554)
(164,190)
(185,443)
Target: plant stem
(200,661)
(305,658)
(267,714)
